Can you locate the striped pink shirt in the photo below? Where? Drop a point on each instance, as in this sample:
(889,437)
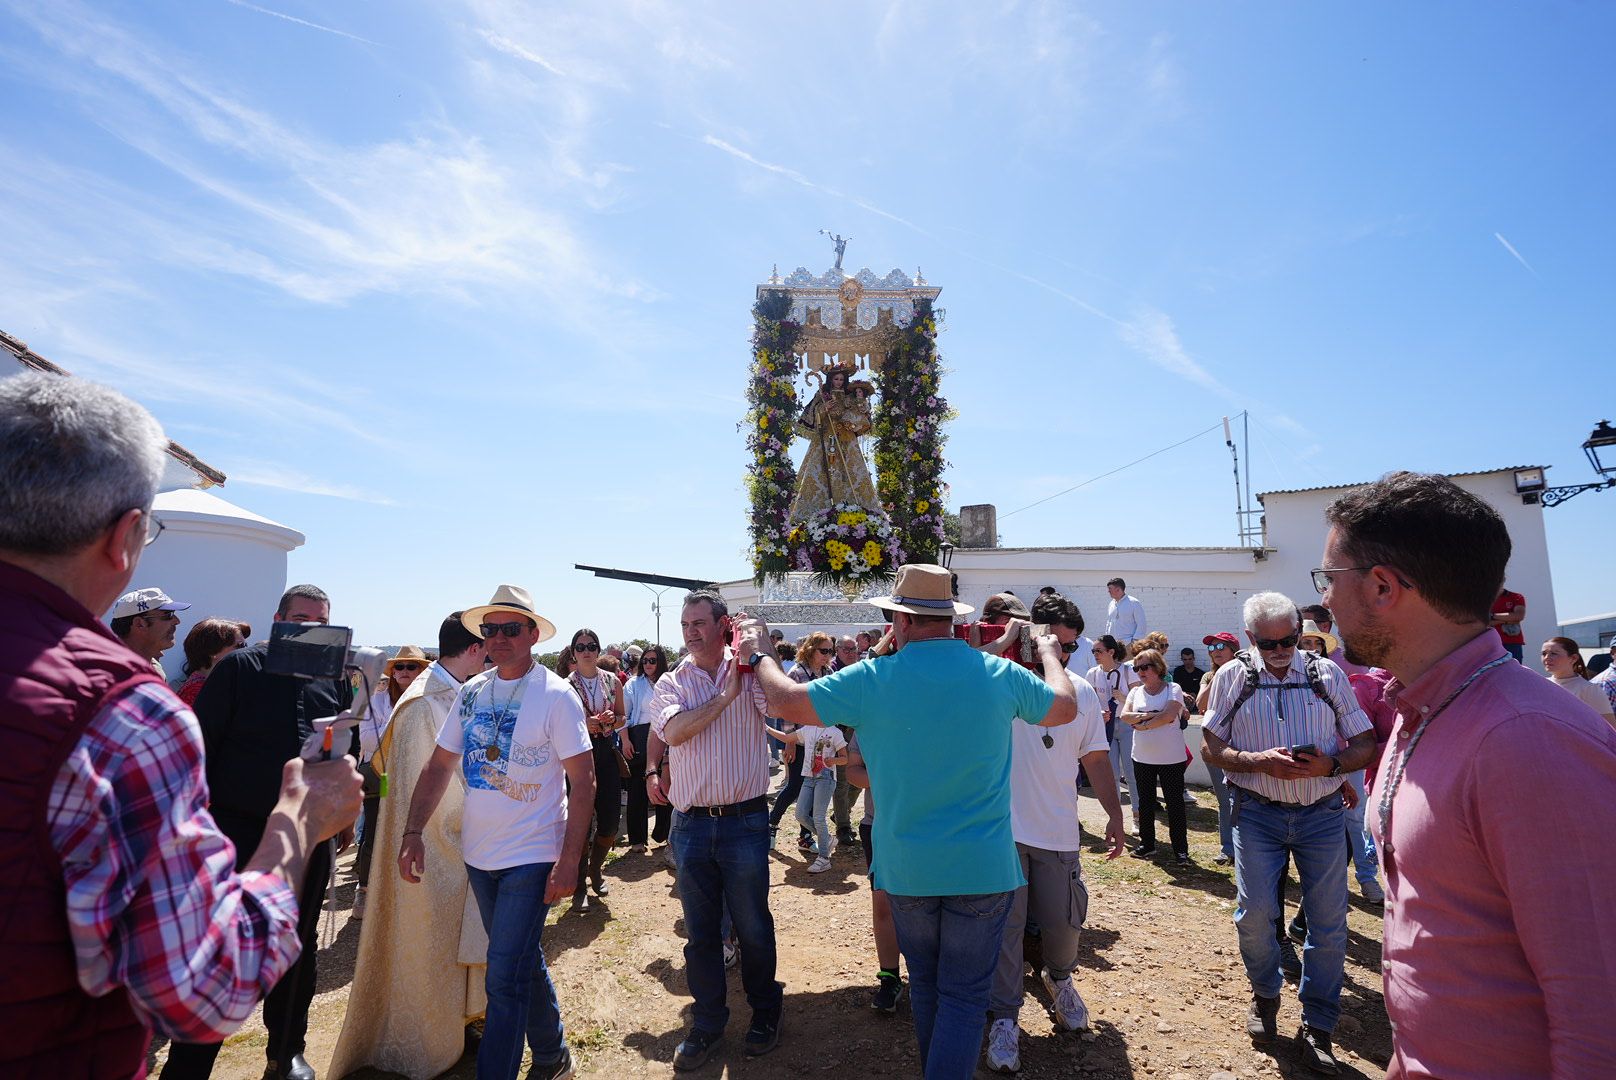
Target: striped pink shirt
(726,762)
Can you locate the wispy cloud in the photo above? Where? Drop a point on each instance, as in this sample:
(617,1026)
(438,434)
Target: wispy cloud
(265,474)
(798,178)
(521,52)
(1509,247)
(435,211)
(302,22)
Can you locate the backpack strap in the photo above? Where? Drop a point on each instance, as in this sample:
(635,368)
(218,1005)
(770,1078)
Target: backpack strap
(1310,667)
(1250,666)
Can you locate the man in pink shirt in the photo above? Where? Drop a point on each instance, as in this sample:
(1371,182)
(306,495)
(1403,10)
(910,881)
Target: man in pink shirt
(1493,806)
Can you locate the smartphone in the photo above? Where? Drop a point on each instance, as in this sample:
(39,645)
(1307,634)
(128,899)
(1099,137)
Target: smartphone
(1304,748)
(735,644)
(307,650)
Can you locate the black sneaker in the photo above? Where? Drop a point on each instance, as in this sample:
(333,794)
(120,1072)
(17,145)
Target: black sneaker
(1296,933)
(845,838)
(1142,852)
(1290,965)
(764,1034)
(697,1049)
(1316,1050)
(1262,1022)
(887,994)
(559,1069)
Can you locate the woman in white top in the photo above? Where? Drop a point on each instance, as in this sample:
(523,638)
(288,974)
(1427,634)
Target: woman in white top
(639,688)
(1152,712)
(1112,676)
(1563,661)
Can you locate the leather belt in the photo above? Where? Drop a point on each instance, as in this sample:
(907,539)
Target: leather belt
(730,810)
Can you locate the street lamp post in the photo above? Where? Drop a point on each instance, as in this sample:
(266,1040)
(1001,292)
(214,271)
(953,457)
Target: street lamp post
(1532,488)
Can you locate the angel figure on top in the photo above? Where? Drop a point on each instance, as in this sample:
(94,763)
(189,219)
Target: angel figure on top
(834,470)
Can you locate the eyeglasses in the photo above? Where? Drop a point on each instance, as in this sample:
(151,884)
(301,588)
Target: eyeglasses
(154,528)
(822,651)
(406,667)
(1216,645)
(161,616)
(1068,647)
(1270,644)
(586,646)
(494,629)
(1321,576)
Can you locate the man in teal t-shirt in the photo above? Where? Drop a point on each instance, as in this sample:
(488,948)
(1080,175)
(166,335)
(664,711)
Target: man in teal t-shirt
(934,725)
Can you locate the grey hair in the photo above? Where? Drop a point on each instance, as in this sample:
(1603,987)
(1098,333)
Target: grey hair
(1263,606)
(75,456)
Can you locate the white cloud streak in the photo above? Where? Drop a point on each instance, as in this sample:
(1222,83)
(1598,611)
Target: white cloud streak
(264,474)
(1509,247)
(302,22)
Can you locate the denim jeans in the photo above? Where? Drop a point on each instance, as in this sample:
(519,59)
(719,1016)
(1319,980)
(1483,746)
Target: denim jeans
(1220,788)
(1264,837)
(724,861)
(1358,841)
(788,794)
(1122,763)
(951,944)
(521,997)
(813,806)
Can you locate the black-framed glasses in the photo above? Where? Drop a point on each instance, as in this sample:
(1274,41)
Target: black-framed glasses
(1068,647)
(1321,575)
(1270,644)
(154,528)
(586,646)
(509,629)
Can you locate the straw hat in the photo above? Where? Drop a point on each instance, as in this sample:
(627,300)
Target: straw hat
(409,654)
(1311,629)
(922,589)
(514,600)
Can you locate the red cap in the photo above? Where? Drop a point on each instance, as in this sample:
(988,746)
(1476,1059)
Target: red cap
(1223,636)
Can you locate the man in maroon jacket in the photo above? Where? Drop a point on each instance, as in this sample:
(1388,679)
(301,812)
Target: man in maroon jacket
(122,912)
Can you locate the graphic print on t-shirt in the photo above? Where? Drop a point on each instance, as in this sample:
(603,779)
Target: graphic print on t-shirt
(490,747)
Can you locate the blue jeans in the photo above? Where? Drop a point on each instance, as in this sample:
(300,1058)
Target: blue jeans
(1358,840)
(813,806)
(724,862)
(1220,788)
(1264,836)
(521,997)
(1122,764)
(951,944)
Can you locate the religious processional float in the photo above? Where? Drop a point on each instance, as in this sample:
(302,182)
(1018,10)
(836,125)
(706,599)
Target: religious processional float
(863,351)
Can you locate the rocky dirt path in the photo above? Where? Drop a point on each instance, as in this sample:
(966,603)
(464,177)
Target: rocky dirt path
(1160,971)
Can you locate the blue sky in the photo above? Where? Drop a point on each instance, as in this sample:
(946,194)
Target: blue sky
(461,290)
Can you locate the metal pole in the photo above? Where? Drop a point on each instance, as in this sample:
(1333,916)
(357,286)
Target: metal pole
(1239,504)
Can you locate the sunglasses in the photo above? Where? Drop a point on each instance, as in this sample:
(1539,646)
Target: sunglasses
(406,667)
(1217,647)
(586,646)
(509,629)
(653,661)
(1068,647)
(1270,644)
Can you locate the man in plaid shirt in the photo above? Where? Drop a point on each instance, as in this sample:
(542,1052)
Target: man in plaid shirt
(123,911)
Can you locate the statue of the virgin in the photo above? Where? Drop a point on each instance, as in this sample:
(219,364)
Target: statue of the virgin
(834,470)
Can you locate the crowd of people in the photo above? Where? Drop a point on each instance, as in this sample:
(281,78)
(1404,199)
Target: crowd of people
(191,831)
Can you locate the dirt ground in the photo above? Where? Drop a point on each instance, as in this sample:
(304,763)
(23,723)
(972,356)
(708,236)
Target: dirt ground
(1160,971)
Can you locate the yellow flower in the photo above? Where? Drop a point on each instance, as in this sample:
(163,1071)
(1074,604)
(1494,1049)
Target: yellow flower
(768,472)
(922,506)
(915,456)
(763,422)
(872,553)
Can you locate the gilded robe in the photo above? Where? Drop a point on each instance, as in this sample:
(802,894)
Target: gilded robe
(834,469)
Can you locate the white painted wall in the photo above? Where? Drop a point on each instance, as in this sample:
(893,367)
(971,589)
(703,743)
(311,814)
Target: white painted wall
(217,557)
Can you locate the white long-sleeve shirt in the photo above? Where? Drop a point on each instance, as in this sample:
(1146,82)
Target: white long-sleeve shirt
(1125,619)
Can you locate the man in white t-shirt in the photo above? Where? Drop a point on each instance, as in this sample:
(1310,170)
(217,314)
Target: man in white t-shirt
(1043,819)
(517,739)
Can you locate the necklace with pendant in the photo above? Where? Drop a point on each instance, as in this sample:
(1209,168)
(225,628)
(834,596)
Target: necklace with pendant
(491,752)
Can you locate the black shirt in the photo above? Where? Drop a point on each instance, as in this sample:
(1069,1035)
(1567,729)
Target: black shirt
(253,723)
(1189,681)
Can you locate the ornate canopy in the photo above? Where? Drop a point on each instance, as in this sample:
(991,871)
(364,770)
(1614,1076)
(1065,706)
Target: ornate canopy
(848,318)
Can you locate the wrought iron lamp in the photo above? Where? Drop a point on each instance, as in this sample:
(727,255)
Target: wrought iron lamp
(1532,487)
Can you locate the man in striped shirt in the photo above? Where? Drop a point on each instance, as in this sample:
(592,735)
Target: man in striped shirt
(710,716)
(1285,733)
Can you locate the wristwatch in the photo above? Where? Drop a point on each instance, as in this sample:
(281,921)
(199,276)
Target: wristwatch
(1335,765)
(752,661)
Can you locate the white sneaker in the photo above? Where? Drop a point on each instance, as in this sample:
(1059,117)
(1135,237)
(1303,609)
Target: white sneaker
(1070,1011)
(732,954)
(819,865)
(1004,1047)
(359,902)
